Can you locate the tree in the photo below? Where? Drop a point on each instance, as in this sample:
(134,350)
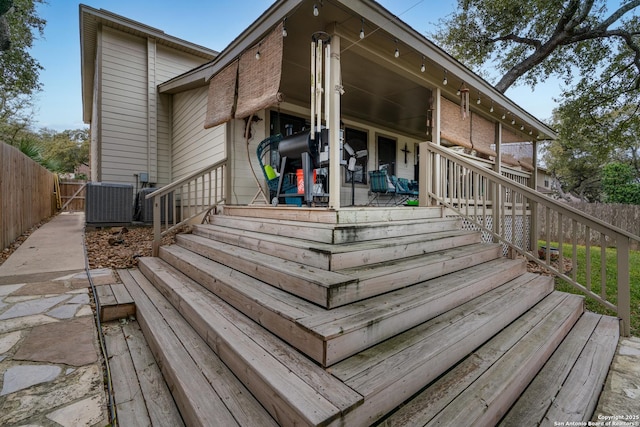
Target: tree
(620,185)
(535,39)
(65,150)
(19,71)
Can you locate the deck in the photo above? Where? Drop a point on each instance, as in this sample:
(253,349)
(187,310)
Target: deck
(238,335)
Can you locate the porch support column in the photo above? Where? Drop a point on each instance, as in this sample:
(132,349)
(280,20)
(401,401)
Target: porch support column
(429,173)
(334,123)
(533,206)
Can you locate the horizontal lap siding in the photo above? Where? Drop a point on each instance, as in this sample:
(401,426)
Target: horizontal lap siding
(124,107)
(194,147)
(169,63)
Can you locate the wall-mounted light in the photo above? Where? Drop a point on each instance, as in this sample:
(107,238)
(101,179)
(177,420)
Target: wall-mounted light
(362,30)
(445,81)
(397,52)
(316,12)
(422,67)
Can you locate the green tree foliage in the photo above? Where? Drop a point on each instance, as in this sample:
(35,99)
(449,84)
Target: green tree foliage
(19,71)
(620,184)
(65,150)
(535,39)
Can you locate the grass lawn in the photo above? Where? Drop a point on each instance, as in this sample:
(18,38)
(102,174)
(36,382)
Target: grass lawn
(611,279)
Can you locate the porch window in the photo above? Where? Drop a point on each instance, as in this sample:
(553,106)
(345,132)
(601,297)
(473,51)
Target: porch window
(357,139)
(387,154)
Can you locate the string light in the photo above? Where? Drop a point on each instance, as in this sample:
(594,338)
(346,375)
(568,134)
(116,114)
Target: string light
(530,131)
(445,81)
(513,121)
(491,109)
(258,54)
(461,86)
(478,101)
(362,30)
(316,12)
(397,52)
(521,127)
(422,68)
(284,28)
(504,114)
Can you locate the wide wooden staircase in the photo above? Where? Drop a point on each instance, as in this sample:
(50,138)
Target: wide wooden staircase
(277,316)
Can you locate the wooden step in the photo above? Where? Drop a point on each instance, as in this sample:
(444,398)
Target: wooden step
(389,373)
(388,276)
(294,390)
(337,233)
(309,283)
(484,385)
(114,302)
(330,336)
(140,393)
(330,289)
(203,388)
(569,385)
(331,216)
(334,257)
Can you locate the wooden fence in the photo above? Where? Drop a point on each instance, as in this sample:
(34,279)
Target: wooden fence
(72,194)
(625,217)
(26,194)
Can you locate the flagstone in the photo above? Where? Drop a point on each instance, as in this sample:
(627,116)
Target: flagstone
(65,311)
(28,308)
(7,341)
(10,325)
(83,413)
(8,289)
(51,343)
(24,376)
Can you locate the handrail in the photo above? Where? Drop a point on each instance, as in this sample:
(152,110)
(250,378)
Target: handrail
(498,206)
(197,193)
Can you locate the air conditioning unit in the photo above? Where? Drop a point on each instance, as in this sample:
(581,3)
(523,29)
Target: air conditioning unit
(108,203)
(144,207)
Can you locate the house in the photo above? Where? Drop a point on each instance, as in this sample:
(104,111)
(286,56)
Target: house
(343,315)
(158,128)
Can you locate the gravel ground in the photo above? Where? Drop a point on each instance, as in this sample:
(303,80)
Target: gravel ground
(119,247)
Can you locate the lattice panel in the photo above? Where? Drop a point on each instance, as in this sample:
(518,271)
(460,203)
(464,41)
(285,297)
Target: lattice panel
(522,230)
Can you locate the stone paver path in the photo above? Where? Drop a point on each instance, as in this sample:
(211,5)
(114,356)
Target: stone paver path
(50,368)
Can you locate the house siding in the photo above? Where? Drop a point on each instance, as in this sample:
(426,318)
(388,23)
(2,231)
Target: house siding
(134,119)
(169,63)
(124,109)
(194,147)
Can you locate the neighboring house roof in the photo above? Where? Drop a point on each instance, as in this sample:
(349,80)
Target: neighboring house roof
(90,21)
(373,72)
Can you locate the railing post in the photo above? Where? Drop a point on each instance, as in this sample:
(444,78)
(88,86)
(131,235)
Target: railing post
(624,290)
(157,229)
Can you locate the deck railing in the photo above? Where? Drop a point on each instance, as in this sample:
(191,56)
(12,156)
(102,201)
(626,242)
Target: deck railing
(181,201)
(507,212)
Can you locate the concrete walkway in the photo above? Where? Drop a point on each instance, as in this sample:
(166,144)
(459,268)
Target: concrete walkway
(50,365)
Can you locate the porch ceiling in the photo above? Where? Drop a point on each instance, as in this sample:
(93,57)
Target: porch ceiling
(374,91)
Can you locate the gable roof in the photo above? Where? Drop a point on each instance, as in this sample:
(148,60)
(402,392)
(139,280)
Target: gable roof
(92,19)
(384,32)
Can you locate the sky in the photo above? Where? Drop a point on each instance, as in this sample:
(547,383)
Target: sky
(59,105)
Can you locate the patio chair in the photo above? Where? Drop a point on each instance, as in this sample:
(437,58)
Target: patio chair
(380,184)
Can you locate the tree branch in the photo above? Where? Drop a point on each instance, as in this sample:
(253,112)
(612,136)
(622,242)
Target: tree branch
(514,37)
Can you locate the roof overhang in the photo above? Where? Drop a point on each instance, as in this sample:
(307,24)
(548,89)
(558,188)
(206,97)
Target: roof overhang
(379,88)
(92,19)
